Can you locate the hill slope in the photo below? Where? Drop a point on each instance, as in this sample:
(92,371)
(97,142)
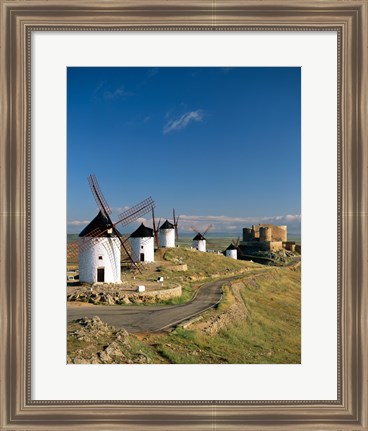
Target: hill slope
(258,320)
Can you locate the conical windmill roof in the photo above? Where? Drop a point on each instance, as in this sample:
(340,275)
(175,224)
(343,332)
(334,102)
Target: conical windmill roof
(99,222)
(142,232)
(199,237)
(167,225)
(231,247)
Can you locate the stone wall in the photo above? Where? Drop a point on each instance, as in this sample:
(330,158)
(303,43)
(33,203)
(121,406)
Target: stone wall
(289,245)
(254,246)
(182,267)
(279,233)
(117,296)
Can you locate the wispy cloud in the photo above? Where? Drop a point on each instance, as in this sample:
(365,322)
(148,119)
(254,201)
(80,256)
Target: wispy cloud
(233,225)
(105,91)
(220,223)
(116,94)
(183,121)
(227,223)
(293,218)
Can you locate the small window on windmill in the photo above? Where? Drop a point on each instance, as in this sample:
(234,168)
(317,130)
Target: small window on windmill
(141,246)
(99,257)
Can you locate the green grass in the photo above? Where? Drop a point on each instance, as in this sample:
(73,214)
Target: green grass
(202,267)
(134,347)
(203,264)
(270,334)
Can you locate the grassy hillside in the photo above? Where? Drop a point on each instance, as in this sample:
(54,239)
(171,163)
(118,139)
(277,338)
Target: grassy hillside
(258,320)
(201,267)
(268,331)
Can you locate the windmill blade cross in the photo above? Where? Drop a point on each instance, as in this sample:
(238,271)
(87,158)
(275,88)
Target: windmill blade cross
(125,218)
(99,197)
(174,215)
(130,256)
(125,249)
(135,212)
(153,220)
(155,227)
(207,229)
(75,247)
(176,225)
(194,229)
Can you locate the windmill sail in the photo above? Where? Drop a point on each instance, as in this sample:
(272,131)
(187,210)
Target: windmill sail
(176,220)
(96,235)
(135,212)
(99,197)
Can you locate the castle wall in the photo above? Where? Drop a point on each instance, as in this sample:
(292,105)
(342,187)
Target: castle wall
(289,245)
(278,233)
(265,237)
(276,245)
(247,234)
(262,245)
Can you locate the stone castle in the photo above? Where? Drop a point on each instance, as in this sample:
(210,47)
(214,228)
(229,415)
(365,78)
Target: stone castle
(266,237)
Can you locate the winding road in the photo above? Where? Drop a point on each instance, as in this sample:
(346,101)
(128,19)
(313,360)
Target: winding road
(153,318)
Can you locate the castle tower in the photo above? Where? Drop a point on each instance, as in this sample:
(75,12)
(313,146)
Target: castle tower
(265,234)
(284,235)
(247,234)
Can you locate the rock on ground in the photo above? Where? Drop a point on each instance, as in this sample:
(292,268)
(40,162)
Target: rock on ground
(100,343)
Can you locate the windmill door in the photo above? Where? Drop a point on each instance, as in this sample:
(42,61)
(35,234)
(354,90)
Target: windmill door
(100,275)
(142,257)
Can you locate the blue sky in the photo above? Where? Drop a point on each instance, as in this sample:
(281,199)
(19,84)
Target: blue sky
(220,145)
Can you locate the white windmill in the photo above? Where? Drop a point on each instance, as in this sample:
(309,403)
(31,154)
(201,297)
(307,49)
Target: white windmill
(167,235)
(199,241)
(232,250)
(142,244)
(101,247)
(100,261)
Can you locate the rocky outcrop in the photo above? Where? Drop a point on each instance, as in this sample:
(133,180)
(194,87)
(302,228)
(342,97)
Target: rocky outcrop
(237,311)
(182,267)
(107,295)
(103,344)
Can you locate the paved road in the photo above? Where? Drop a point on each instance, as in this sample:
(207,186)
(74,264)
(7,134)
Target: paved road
(153,318)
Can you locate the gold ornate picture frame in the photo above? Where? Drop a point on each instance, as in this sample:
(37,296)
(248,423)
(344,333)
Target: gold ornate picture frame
(18,20)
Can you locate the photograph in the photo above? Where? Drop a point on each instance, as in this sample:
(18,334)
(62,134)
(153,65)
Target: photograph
(183,215)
